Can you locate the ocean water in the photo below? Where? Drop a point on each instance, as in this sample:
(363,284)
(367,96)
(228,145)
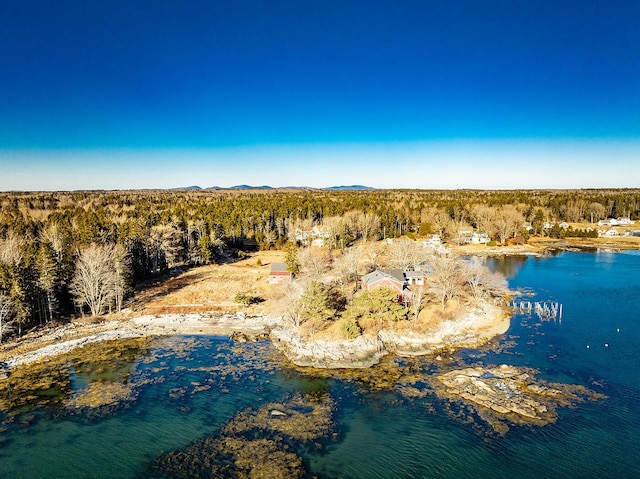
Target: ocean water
(186,389)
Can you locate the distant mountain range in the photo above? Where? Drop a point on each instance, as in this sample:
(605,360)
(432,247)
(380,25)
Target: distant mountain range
(350,187)
(267,187)
(249,187)
(194,187)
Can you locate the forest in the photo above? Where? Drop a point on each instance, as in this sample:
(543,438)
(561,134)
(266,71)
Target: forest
(53,243)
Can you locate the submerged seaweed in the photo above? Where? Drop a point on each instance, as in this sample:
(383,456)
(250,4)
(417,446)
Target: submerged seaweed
(256,443)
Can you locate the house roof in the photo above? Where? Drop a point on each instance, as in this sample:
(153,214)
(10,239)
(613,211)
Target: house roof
(414,274)
(394,275)
(279,268)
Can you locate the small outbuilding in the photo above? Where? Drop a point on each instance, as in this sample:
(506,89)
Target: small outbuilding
(279,274)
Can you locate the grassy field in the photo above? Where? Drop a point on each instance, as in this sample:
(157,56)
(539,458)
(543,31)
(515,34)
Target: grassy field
(211,288)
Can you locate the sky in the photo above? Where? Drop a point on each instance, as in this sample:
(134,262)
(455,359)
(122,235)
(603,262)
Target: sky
(507,94)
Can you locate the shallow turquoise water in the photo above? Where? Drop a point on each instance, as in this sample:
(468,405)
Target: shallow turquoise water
(188,388)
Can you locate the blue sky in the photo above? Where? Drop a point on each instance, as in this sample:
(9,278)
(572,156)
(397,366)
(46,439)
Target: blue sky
(415,94)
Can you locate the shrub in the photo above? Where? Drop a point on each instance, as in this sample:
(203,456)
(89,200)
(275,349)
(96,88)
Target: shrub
(426,228)
(244,299)
(259,262)
(350,328)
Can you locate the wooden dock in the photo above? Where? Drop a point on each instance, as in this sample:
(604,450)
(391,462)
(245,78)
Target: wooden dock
(545,310)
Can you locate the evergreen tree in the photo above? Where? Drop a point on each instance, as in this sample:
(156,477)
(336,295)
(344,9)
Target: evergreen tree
(47,271)
(373,309)
(291,257)
(315,305)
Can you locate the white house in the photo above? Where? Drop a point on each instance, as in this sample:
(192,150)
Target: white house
(315,236)
(608,222)
(478,238)
(414,278)
(610,233)
(433,242)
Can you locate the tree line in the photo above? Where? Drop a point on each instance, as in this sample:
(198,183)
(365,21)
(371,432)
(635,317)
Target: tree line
(48,240)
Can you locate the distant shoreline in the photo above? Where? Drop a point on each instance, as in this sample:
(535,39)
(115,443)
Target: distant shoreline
(541,246)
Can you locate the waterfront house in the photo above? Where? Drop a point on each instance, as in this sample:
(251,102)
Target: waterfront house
(610,233)
(390,278)
(434,242)
(477,238)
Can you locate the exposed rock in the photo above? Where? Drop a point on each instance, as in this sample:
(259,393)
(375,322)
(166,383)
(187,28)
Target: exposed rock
(4,370)
(328,354)
(475,327)
(510,392)
(252,445)
(472,329)
(104,365)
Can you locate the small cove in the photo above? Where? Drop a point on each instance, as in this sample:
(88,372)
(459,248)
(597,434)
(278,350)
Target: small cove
(179,390)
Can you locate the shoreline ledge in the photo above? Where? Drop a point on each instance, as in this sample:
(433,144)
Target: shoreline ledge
(474,328)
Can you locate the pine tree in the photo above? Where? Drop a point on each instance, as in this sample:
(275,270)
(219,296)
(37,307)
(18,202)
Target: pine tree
(315,305)
(47,271)
(373,309)
(291,257)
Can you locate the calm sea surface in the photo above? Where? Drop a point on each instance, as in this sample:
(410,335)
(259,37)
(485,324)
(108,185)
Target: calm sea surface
(186,389)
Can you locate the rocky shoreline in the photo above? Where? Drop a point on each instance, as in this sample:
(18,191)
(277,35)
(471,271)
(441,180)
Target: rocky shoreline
(499,395)
(75,335)
(474,328)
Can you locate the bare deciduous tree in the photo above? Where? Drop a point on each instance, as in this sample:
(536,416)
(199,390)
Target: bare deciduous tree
(444,279)
(407,255)
(346,265)
(574,210)
(100,277)
(314,261)
(11,250)
(54,236)
(362,225)
(417,299)
(484,217)
(596,211)
(509,221)
(369,225)
(482,282)
(438,218)
(268,233)
(165,240)
(6,310)
(121,266)
(335,226)
(288,304)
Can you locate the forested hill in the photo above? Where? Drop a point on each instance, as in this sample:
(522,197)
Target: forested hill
(43,236)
